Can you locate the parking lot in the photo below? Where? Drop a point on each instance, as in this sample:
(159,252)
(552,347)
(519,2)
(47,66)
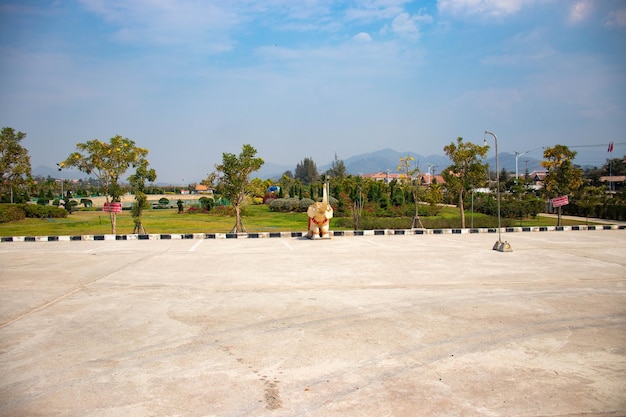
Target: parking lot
(411,325)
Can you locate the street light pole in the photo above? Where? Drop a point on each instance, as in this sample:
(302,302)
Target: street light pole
(517,155)
(62,197)
(499,245)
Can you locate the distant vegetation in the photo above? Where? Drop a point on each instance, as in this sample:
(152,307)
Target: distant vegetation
(464,195)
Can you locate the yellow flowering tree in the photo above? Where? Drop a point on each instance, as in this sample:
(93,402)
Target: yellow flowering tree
(563,177)
(108,162)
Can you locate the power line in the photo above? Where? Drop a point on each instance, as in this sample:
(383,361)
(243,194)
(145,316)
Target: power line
(598,145)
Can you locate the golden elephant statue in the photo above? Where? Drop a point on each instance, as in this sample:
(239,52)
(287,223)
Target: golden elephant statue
(319,217)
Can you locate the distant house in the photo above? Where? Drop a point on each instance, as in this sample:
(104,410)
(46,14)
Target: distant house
(387,177)
(202,189)
(614,182)
(427,179)
(537,176)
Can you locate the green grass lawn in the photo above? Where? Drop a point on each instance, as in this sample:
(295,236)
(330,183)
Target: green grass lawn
(256,219)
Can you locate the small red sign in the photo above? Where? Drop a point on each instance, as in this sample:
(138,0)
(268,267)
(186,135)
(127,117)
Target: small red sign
(113,207)
(560,201)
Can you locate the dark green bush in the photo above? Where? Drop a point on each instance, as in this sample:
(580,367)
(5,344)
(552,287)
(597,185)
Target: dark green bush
(43,212)
(207,203)
(11,213)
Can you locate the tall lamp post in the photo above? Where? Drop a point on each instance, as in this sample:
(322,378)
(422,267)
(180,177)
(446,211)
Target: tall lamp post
(62,196)
(500,246)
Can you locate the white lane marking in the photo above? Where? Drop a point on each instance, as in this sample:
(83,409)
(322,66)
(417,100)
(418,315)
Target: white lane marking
(194,247)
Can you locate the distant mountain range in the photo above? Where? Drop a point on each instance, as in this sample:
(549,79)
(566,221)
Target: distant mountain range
(388,159)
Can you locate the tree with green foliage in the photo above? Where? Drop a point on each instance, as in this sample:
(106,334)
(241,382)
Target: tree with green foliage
(306,171)
(411,182)
(138,185)
(434,196)
(563,178)
(615,166)
(588,197)
(467,170)
(15,170)
(108,162)
(355,194)
(68,203)
(337,169)
(233,179)
(258,187)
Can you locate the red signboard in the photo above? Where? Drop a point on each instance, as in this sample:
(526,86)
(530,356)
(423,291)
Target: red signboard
(113,207)
(560,201)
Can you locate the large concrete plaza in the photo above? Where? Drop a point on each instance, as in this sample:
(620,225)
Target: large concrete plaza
(416,325)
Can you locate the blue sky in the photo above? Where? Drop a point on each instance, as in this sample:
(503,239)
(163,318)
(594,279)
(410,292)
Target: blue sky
(190,79)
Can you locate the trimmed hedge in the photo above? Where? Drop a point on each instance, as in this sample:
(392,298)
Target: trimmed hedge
(14,212)
(11,213)
(43,212)
(295,204)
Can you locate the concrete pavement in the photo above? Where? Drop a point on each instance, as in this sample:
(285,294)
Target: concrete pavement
(375,325)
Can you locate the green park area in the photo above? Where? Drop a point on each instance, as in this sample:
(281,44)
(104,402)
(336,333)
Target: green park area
(256,218)
(466,195)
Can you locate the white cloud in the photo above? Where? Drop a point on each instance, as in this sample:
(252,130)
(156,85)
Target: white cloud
(580,11)
(407,26)
(486,8)
(203,25)
(616,19)
(372,10)
(362,37)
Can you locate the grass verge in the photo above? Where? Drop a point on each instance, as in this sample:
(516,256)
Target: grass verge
(256,219)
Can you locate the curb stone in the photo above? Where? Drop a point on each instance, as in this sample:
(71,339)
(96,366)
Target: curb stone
(272,235)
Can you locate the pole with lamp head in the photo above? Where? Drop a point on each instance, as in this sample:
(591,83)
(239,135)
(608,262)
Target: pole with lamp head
(500,246)
(60,166)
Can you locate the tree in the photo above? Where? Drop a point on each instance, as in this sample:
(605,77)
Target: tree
(15,167)
(306,171)
(233,179)
(563,178)
(108,162)
(434,196)
(615,166)
(589,197)
(411,182)
(138,185)
(337,169)
(467,170)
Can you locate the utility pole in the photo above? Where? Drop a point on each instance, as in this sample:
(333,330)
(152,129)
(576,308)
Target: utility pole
(517,155)
(430,177)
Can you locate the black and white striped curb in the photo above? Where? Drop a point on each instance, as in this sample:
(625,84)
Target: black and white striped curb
(336,233)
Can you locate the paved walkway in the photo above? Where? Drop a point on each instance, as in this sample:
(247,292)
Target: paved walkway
(590,219)
(411,325)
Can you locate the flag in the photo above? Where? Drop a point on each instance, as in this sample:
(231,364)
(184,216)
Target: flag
(610,147)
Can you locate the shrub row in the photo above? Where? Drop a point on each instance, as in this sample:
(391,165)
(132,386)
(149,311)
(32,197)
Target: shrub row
(290,204)
(296,204)
(13,212)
